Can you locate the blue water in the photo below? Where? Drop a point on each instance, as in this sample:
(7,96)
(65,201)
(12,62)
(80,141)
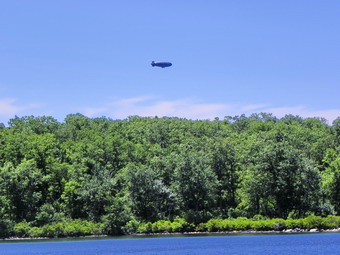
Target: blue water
(207,245)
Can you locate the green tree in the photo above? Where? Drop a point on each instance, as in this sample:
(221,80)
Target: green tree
(279,179)
(195,185)
(331,180)
(23,189)
(226,167)
(71,203)
(151,199)
(118,213)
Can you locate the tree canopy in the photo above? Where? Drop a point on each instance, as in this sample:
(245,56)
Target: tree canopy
(149,169)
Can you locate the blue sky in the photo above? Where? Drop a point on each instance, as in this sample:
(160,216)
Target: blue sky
(229,58)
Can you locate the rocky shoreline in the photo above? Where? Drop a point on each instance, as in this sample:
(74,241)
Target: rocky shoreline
(285,231)
(313,230)
(296,230)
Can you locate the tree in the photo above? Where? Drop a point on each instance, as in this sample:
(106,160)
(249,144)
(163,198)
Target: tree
(151,199)
(195,185)
(38,125)
(71,203)
(23,189)
(331,180)
(225,165)
(279,180)
(95,193)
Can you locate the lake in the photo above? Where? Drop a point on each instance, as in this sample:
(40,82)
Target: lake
(321,243)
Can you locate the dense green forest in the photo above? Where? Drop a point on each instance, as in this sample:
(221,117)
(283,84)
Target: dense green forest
(112,174)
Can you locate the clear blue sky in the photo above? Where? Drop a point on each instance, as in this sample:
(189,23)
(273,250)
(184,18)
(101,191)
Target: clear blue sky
(229,58)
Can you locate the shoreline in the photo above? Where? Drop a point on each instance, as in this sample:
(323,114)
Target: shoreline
(236,232)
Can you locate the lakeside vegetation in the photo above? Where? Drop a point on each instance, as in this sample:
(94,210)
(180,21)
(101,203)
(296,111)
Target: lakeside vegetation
(72,228)
(152,175)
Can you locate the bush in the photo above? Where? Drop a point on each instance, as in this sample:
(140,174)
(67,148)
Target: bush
(181,225)
(22,229)
(53,230)
(261,225)
(6,227)
(131,227)
(313,222)
(35,232)
(241,224)
(161,226)
(60,229)
(278,224)
(78,227)
(145,228)
(331,222)
(259,217)
(213,225)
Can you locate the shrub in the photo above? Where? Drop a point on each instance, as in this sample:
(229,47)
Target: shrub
(242,223)
(145,228)
(35,232)
(161,226)
(201,227)
(261,225)
(180,225)
(131,227)
(312,221)
(331,222)
(259,217)
(6,227)
(294,224)
(213,225)
(278,224)
(22,229)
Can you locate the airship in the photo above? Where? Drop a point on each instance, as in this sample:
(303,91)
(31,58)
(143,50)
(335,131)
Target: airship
(161,64)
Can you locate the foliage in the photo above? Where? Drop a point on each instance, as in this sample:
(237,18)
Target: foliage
(67,227)
(311,222)
(146,175)
(63,228)
(164,226)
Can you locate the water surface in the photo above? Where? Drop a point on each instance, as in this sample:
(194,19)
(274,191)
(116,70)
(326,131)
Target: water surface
(325,243)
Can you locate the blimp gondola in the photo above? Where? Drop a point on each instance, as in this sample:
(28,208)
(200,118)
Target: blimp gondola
(161,64)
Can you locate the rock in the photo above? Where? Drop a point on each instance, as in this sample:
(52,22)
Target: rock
(288,230)
(314,230)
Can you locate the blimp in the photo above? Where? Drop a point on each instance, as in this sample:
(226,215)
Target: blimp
(161,64)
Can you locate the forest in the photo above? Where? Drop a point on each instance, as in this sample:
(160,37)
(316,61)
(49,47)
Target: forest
(98,175)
